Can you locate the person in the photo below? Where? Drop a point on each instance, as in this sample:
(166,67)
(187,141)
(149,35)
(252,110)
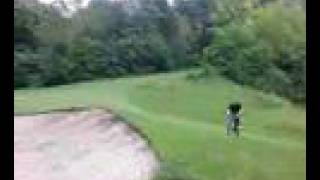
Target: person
(233,118)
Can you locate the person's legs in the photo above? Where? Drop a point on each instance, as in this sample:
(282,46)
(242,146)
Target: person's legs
(236,127)
(236,130)
(229,128)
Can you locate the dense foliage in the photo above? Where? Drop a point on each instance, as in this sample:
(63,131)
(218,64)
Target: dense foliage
(256,42)
(263,46)
(107,39)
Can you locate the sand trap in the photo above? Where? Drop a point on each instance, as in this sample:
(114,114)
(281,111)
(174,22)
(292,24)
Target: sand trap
(85,145)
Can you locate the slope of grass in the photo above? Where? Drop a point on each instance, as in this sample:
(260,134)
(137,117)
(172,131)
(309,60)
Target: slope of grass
(184,120)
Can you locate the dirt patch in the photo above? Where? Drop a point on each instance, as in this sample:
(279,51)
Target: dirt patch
(80,145)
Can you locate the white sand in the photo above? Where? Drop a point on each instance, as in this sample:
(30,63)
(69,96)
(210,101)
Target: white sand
(79,146)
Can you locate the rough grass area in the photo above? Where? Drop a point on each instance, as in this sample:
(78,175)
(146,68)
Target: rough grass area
(184,120)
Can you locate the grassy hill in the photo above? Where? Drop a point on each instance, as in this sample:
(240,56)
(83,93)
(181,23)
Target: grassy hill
(184,120)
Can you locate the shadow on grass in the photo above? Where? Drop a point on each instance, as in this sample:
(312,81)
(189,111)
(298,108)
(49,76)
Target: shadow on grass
(174,171)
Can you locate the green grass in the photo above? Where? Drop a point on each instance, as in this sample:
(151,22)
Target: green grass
(184,120)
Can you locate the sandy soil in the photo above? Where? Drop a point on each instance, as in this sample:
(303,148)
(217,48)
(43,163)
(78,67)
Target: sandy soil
(85,145)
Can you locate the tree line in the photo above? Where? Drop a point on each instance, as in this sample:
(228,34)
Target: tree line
(256,42)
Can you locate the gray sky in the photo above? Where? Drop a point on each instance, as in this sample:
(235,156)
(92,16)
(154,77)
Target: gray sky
(72,9)
(85,2)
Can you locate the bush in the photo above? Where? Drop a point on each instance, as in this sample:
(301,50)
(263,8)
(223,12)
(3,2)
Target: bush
(266,50)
